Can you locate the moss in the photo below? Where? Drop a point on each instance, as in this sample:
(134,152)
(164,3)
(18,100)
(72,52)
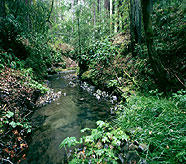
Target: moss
(86,75)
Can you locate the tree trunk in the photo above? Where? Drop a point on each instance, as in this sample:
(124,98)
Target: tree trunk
(98,7)
(79,36)
(138,21)
(111,9)
(49,14)
(120,14)
(106,4)
(135,23)
(156,64)
(2,8)
(116,15)
(94,17)
(72,7)
(113,13)
(106,9)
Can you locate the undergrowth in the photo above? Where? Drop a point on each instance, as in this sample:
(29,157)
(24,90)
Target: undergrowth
(159,123)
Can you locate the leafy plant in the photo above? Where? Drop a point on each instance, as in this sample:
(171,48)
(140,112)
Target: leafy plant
(100,146)
(29,75)
(180,98)
(38,86)
(8,119)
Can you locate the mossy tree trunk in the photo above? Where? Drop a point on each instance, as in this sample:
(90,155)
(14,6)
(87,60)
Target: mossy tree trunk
(156,64)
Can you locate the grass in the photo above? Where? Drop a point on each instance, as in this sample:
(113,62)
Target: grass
(160,123)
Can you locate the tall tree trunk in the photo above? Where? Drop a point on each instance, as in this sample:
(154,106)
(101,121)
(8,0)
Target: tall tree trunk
(113,13)
(99,15)
(79,36)
(135,23)
(72,7)
(2,8)
(107,8)
(138,21)
(27,13)
(94,11)
(116,15)
(106,4)
(111,19)
(98,7)
(120,14)
(156,63)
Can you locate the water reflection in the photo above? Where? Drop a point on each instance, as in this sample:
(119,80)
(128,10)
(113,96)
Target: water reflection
(73,111)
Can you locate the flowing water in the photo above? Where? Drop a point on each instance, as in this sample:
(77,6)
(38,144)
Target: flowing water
(74,110)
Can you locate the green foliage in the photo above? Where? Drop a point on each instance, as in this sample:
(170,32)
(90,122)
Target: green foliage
(113,83)
(81,28)
(159,123)
(24,37)
(57,57)
(100,53)
(169,27)
(9,59)
(180,98)
(98,56)
(69,141)
(31,83)
(8,119)
(40,55)
(34,84)
(100,146)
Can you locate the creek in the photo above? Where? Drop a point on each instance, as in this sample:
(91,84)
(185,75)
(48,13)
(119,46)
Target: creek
(74,110)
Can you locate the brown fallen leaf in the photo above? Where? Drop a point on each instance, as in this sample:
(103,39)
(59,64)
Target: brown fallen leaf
(15,132)
(23,145)
(12,154)
(19,138)
(6,150)
(24,156)
(14,146)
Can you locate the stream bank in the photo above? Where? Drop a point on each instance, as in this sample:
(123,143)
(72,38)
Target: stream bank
(17,103)
(19,95)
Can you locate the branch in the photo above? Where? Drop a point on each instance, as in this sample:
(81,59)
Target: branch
(52,5)
(132,79)
(49,14)
(180,80)
(6,160)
